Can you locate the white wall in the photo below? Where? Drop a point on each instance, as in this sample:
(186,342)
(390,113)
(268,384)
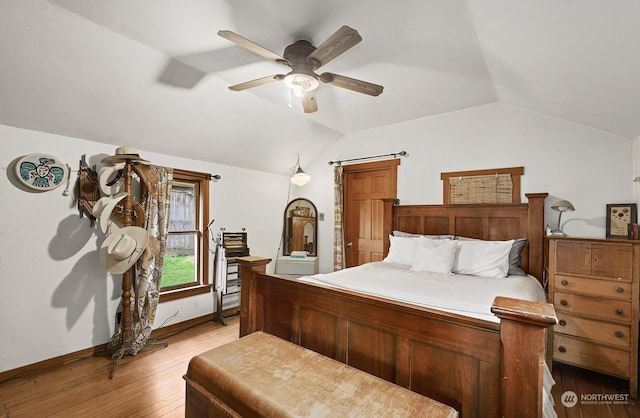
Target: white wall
(636,169)
(569,161)
(55,296)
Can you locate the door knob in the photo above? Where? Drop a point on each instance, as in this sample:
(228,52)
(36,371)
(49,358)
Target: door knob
(349,244)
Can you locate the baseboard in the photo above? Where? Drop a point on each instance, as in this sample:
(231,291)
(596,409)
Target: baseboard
(55,361)
(87,352)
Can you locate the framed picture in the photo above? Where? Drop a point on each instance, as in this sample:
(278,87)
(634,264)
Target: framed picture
(619,217)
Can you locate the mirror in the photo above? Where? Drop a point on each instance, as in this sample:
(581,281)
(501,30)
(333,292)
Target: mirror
(300,227)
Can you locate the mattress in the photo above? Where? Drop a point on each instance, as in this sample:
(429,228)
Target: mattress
(457,293)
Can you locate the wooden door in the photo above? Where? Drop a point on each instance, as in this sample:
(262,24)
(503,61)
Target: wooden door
(364,186)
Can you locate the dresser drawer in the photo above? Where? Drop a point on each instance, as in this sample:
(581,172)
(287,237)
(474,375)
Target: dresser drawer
(601,288)
(616,310)
(591,356)
(603,332)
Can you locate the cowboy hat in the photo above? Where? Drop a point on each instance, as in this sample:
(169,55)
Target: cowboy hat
(103,208)
(123,154)
(135,211)
(123,248)
(110,183)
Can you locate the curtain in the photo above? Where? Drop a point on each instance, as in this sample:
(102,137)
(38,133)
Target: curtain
(146,281)
(338,229)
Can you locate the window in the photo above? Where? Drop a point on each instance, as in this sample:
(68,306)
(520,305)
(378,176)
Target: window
(496,185)
(186,262)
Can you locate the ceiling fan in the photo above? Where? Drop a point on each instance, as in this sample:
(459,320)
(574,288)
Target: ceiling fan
(304,59)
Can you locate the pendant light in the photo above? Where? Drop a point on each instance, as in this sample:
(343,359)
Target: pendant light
(299,177)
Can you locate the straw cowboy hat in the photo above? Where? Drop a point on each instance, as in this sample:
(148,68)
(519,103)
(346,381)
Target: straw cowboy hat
(103,208)
(123,248)
(123,154)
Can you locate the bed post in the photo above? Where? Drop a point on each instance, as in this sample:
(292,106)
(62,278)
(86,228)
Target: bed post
(250,266)
(536,234)
(523,327)
(387,222)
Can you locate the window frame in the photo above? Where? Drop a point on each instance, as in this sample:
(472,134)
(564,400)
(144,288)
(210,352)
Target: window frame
(202,284)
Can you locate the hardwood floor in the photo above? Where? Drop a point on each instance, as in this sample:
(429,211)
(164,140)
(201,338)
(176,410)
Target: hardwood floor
(151,384)
(147,385)
(591,391)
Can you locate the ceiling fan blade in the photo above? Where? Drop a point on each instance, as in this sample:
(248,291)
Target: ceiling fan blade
(256,82)
(309,102)
(352,84)
(250,45)
(342,40)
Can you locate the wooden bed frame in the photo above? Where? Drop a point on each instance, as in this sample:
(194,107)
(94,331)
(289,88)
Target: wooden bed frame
(483,369)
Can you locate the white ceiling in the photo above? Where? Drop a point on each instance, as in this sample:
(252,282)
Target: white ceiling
(154,74)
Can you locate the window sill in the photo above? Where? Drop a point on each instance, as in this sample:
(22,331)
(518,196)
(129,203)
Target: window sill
(186,292)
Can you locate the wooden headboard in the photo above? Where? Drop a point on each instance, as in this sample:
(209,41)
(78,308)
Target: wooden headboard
(486,221)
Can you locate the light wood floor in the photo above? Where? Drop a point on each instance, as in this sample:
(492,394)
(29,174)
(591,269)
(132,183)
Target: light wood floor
(151,384)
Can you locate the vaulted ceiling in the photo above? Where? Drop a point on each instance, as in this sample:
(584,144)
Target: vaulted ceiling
(155,75)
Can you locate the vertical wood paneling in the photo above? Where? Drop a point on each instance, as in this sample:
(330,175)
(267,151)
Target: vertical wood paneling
(279,324)
(319,332)
(372,350)
(461,373)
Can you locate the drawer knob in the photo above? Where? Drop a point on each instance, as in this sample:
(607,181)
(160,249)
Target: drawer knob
(619,334)
(619,312)
(562,323)
(564,303)
(564,283)
(619,289)
(562,349)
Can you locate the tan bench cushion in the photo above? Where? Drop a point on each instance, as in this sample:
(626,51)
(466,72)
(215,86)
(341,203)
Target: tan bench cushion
(263,375)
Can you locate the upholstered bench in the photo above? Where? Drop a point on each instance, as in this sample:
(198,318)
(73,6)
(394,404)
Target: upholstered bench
(260,375)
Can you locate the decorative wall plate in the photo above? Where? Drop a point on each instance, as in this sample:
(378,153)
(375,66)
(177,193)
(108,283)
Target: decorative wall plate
(41,171)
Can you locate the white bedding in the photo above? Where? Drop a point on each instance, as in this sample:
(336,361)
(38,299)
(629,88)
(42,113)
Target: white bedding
(467,295)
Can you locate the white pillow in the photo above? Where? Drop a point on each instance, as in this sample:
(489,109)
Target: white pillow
(401,251)
(483,258)
(435,256)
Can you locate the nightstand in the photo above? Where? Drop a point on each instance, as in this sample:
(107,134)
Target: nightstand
(296,267)
(593,285)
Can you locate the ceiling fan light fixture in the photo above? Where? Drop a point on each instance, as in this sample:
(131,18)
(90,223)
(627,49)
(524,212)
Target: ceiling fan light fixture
(301,83)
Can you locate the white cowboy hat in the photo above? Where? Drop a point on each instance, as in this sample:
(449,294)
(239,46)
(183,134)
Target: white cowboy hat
(123,154)
(123,248)
(103,208)
(107,175)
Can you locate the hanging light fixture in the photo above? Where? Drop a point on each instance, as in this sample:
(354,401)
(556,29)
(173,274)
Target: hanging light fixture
(299,177)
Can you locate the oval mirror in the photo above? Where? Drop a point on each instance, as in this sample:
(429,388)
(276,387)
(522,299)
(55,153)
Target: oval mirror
(300,227)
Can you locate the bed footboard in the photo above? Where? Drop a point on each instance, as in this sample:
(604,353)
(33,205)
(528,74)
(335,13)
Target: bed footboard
(480,368)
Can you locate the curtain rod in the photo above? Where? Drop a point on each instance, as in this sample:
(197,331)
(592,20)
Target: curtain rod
(394,155)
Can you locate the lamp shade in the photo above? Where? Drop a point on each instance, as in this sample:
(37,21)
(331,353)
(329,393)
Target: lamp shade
(563,206)
(300,178)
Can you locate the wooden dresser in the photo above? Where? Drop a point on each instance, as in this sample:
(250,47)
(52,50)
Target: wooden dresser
(593,285)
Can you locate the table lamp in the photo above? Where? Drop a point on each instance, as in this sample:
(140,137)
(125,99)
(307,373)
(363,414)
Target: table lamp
(561,206)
